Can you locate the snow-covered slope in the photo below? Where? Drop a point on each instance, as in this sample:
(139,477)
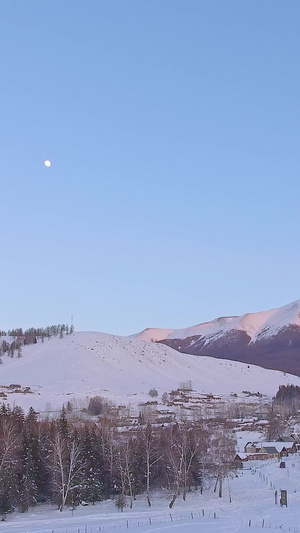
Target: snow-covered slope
(255,325)
(124,369)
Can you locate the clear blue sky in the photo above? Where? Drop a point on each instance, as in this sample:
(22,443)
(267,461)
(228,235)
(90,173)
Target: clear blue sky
(173,131)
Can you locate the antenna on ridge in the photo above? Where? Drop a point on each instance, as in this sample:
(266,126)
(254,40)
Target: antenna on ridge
(72,327)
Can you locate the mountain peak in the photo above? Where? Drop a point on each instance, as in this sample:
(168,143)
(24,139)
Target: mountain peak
(252,337)
(253,324)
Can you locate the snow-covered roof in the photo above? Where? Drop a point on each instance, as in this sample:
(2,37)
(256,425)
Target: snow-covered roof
(278,445)
(270,449)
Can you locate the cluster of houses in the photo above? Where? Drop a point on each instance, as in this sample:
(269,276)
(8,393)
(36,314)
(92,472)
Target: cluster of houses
(255,451)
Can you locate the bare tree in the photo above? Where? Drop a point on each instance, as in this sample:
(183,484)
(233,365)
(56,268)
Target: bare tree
(276,425)
(125,460)
(107,435)
(185,444)
(152,456)
(221,454)
(67,469)
(9,444)
(9,440)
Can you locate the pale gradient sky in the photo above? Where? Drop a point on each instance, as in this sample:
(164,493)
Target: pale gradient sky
(173,131)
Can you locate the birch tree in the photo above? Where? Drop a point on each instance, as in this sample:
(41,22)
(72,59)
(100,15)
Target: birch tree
(185,445)
(9,442)
(67,468)
(221,454)
(152,456)
(125,459)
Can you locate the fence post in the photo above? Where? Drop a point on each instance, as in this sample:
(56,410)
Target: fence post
(127,524)
(202,512)
(192,516)
(250,522)
(171,517)
(263,523)
(149,520)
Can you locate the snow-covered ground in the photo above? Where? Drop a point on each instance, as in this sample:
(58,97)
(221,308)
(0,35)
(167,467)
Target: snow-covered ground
(124,369)
(248,498)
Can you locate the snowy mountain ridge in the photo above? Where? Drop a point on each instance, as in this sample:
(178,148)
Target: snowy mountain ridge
(259,325)
(269,338)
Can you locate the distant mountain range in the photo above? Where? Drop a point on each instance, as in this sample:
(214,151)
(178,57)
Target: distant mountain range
(270,339)
(124,369)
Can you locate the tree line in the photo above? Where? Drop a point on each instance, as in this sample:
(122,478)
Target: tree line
(68,461)
(30,336)
(288,397)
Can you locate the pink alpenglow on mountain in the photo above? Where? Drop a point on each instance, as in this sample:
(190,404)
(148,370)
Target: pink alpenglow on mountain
(268,338)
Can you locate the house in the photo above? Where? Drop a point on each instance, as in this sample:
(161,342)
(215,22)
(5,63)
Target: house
(243,457)
(273,449)
(270,451)
(284,447)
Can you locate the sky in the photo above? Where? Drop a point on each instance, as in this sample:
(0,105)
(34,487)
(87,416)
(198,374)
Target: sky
(173,131)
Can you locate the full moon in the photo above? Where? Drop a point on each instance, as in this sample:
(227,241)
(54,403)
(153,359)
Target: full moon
(47,163)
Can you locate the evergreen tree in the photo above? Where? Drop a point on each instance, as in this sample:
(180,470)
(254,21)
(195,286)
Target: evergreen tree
(93,486)
(18,417)
(31,418)
(5,504)
(63,426)
(27,488)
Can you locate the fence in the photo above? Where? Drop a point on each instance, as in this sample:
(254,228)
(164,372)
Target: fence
(128,524)
(171,518)
(266,524)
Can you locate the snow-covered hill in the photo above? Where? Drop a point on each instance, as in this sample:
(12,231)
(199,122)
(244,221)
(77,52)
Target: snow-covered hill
(86,364)
(269,338)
